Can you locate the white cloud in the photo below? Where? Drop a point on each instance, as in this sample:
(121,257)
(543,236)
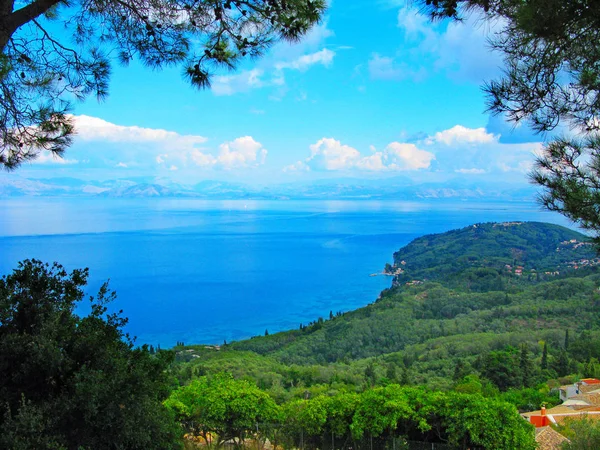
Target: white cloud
(311,42)
(50,158)
(241,152)
(458,48)
(95,129)
(304,62)
(463,135)
(476,151)
(241,82)
(383,68)
(463,49)
(299,166)
(329,154)
(413,23)
(101,144)
(259,78)
(201,159)
(403,156)
(386,68)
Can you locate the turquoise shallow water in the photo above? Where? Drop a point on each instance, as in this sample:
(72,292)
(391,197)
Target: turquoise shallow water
(205,271)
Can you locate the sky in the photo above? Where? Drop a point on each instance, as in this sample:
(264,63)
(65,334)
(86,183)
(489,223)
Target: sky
(374,91)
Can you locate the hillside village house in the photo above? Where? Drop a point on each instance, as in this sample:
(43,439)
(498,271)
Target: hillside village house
(580,400)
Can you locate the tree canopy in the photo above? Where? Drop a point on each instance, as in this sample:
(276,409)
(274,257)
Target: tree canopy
(72,382)
(551,77)
(54,51)
(222,406)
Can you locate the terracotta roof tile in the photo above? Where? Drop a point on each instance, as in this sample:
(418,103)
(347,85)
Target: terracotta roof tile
(548,439)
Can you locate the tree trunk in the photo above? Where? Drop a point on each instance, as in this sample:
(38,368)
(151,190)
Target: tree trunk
(11,20)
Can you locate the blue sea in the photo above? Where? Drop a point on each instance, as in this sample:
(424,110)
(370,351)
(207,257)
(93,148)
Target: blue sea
(207,271)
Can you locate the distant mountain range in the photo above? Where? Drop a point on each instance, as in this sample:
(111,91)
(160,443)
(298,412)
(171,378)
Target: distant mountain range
(344,188)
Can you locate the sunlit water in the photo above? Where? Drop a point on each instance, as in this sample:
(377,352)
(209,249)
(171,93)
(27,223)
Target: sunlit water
(207,271)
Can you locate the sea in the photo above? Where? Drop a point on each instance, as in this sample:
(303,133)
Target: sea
(206,272)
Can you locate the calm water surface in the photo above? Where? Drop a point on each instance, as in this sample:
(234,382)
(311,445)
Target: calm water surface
(207,271)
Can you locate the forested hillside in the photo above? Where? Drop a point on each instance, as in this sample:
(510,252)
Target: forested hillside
(457,298)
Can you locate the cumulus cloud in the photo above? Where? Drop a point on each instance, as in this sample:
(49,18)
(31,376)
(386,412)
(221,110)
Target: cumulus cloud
(457,150)
(95,129)
(403,156)
(242,152)
(49,158)
(329,154)
(462,135)
(476,151)
(109,145)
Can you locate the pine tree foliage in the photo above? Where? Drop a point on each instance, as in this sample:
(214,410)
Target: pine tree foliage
(551,77)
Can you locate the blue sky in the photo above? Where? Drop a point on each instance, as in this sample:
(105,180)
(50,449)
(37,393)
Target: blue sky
(376,90)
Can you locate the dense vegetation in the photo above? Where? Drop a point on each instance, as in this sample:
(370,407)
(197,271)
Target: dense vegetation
(71,382)
(448,355)
(500,311)
(491,287)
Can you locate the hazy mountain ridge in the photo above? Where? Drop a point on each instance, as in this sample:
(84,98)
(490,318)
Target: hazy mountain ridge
(398,188)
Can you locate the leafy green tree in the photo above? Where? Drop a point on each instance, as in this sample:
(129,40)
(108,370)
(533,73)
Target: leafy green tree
(340,412)
(221,405)
(470,384)
(552,75)
(502,368)
(74,382)
(43,65)
(475,421)
(380,410)
(584,434)
(591,369)
(461,420)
